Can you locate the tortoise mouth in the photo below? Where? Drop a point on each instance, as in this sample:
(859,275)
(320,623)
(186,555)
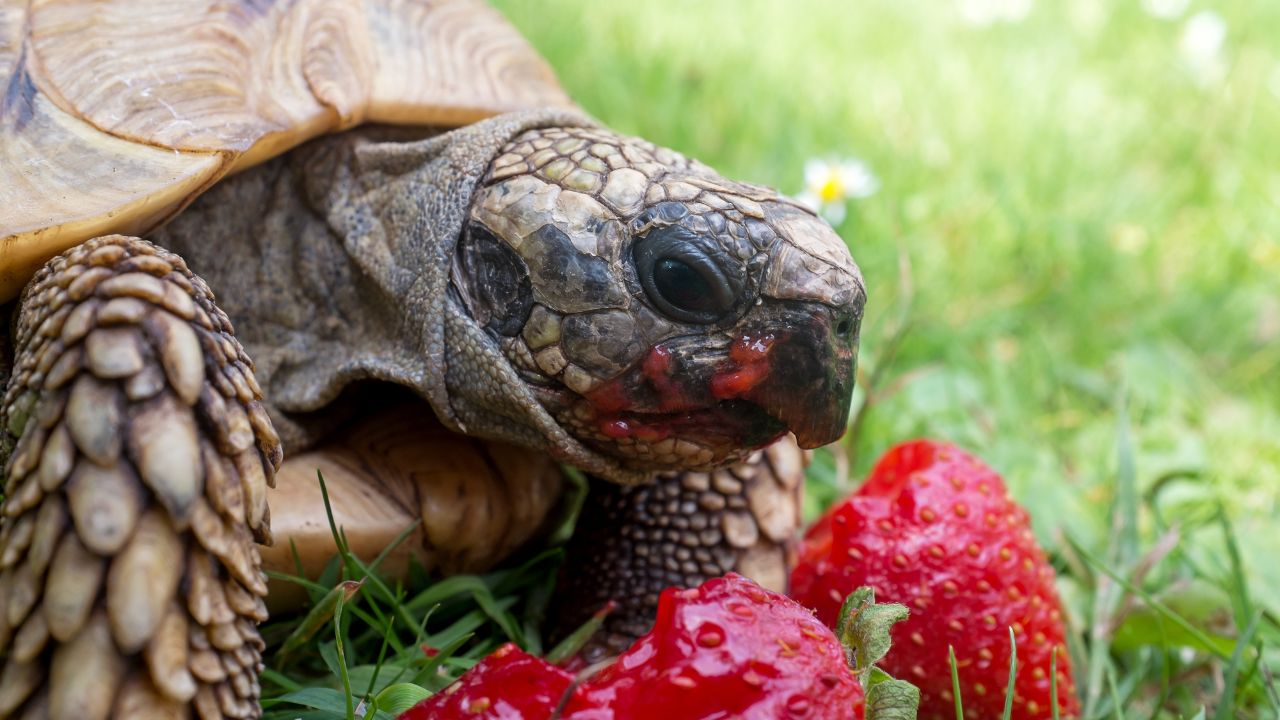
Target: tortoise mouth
(738,423)
(687,439)
(695,405)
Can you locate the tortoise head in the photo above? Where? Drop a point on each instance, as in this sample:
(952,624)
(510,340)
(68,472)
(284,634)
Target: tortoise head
(662,314)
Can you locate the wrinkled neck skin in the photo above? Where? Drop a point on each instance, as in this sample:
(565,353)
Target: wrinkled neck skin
(334,264)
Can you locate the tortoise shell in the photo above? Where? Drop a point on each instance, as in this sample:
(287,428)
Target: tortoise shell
(115,115)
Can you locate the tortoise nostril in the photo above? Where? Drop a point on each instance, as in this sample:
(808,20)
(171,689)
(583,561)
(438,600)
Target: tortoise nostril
(844,327)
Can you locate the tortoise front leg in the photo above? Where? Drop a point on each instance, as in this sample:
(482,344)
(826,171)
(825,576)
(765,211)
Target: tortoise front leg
(634,541)
(129,579)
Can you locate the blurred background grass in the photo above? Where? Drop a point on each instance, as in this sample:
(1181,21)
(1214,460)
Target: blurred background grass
(1077,213)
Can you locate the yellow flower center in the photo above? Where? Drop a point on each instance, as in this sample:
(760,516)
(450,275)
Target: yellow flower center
(831,189)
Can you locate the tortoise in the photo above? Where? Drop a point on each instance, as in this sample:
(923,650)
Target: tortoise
(438,282)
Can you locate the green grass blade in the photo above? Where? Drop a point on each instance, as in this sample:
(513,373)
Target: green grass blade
(325,699)
(395,543)
(575,640)
(1117,707)
(1206,643)
(1122,551)
(286,683)
(955,681)
(315,589)
(382,656)
(315,619)
(430,669)
(1240,596)
(1125,520)
(380,589)
(1232,676)
(338,537)
(342,657)
(1269,684)
(1053,685)
(1011,689)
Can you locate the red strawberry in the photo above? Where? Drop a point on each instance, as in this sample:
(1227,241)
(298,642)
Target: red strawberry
(727,649)
(509,684)
(934,528)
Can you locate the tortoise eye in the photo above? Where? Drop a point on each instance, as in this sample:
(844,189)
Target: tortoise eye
(685,288)
(685,276)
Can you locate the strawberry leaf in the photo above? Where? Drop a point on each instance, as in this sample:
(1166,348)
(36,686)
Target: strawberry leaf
(863,629)
(891,699)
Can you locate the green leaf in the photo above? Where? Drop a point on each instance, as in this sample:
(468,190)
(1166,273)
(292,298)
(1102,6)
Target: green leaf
(378,679)
(863,628)
(327,699)
(877,676)
(1203,605)
(329,654)
(317,618)
(1163,610)
(890,699)
(398,698)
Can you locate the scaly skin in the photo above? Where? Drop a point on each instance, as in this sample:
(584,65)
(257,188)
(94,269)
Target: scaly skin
(559,263)
(129,578)
(633,542)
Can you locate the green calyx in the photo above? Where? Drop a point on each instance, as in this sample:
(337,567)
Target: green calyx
(863,629)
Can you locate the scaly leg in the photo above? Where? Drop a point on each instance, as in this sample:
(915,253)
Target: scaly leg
(633,541)
(129,580)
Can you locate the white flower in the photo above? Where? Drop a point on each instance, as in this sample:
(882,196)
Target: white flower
(1201,45)
(982,13)
(830,184)
(1165,9)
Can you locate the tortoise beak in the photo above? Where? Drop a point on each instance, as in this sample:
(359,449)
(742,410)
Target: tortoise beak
(813,298)
(804,359)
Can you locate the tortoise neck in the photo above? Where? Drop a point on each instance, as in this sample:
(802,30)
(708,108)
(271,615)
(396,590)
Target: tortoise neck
(333,262)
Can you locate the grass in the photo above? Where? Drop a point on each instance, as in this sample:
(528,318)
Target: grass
(1072,261)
